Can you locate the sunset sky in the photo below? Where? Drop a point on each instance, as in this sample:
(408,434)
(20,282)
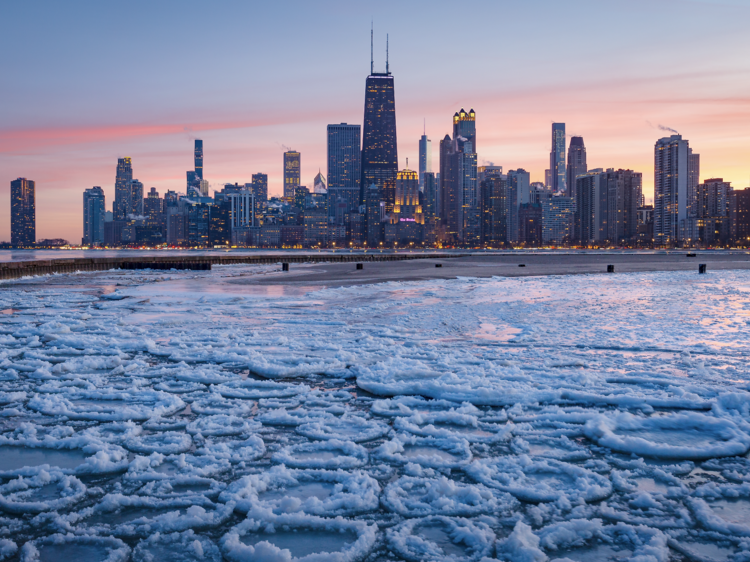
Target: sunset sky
(83,83)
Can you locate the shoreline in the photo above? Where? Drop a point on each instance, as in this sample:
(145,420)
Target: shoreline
(329,274)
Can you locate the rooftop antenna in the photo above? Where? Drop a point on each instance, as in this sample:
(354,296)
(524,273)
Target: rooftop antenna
(386,54)
(424,132)
(372,64)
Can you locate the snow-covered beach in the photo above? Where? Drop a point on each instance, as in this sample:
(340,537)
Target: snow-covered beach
(222,415)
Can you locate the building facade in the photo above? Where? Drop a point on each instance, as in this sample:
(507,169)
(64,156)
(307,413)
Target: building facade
(557,219)
(344,155)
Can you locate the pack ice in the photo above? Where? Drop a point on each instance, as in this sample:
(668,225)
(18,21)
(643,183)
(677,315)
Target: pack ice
(186,416)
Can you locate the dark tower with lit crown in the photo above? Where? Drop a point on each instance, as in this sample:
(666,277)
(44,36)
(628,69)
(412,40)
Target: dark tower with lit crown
(379,154)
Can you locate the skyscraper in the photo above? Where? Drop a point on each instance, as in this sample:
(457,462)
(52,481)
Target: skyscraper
(576,163)
(407,204)
(344,156)
(458,176)
(260,188)
(519,193)
(607,206)
(425,159)
(379,151)
(22,212)
(446,207)
(319,184)
(122,189)
(199,159)
(464,125)
(431,197)
(671,188)
(557,158)
(93,216)
(135,198)
(494,201)
(291,173)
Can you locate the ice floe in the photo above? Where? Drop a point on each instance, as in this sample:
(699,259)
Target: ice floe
(299,538)
(333,453)
(442,538)
(540,480)
(315,492)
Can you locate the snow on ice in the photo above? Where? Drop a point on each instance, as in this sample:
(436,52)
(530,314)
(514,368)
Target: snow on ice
(184,417)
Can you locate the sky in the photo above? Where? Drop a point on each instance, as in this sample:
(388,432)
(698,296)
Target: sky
(83,83)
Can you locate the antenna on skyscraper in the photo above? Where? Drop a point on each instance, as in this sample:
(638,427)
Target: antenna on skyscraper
(424,132)
(372,64)
(386,54)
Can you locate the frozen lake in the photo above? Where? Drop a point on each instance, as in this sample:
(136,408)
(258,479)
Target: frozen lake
(189,416)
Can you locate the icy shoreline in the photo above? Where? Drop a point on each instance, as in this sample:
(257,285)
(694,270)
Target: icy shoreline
(585,417)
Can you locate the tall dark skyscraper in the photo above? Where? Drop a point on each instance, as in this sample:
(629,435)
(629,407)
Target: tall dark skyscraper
(576,163)
(379,152)
(121,206)
(464,125)
(344,156)
(22,212)
(291,173)
(199,159)
(557,158)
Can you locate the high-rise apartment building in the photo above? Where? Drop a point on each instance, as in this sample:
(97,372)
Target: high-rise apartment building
(93,216)
(607,205)
(576,163)
(425,159)
(22,212)
(464,125)
(557,159)
(740,216)
(711,221)
(557,219)
(379,147)
(530,218)
(672,189)
(344,156)
(121,205)
(291,173)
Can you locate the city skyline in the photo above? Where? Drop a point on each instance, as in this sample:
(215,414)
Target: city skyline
(66,138)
